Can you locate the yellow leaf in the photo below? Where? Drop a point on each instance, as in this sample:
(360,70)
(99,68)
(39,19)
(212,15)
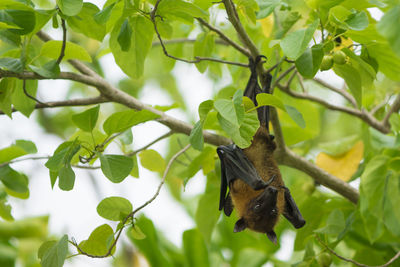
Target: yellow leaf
(343,166)
(267,24)
(346,42)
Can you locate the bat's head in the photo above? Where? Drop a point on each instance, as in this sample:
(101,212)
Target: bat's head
(261,214)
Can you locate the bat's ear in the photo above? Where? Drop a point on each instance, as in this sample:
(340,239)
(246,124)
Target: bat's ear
(272,236)
(240,225)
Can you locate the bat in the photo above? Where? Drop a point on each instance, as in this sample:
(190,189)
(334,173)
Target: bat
(256,188)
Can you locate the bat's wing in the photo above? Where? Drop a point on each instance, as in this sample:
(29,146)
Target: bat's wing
(235,165)
(292,212)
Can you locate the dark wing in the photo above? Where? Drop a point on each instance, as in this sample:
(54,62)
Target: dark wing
(292,212)
(235,165)
(253,88)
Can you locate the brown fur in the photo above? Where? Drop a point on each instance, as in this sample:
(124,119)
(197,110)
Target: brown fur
(260,154)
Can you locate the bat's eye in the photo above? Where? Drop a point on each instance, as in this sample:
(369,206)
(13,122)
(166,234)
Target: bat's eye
(257,207)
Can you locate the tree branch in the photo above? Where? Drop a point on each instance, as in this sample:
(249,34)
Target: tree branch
(168,134)
(355,262)
(225,38)
(343,93)
(393,109)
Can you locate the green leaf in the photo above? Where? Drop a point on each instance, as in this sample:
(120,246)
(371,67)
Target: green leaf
(203,47)
(204,108)
(49,70)
(152,160)
(62,155)
(266,7)
(295,43)
(334,224)
(7,86)
(137,233)
(180,10)
(52,49)
(20,148)
(66,178)
(309,62)
(24,19)
(389,62)
(5,210)
(45,247)
(116,167)
(13,180)
(87,119)
(230,112)
(196,138)
(296,116)
(132,61)
(264,99)
(56,254)
(85,22)
(194,249)
(70,7)
(125,35)
(114,208)
(123,120)
(388,27)
(99,241)
(11,64)
(102,16)
(357,21)
(352,79)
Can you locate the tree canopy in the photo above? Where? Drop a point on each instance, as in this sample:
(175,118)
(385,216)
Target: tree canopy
(335,101)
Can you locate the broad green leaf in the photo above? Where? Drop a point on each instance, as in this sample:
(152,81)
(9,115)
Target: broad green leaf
(114,208)
(196,136)
(5,25)
(7,86)
(180,10)
(205,160)
(87,119)
(296,116)
(352,79)
(62,155)
(338,15)
(102,16)
(45,247)
(264,99)
(357,21)
(21,101)
(20,148)
(251,257)
(194,249)
(85,22)
(52,49)
(13,180)
(152,160)
(295,43)
(14,4)
(56,254)
(12,64)
(334,224)
(116,167)
(388,27)
(228,110)
(135,170)
(125,35)
(99,241)
(309,62)
(389,62)
(204,108)
(203,47)
(132,61)
(137,233)
(23,19)
(123,120)
(49,70)
(70,7)
(266,7)
(66,178)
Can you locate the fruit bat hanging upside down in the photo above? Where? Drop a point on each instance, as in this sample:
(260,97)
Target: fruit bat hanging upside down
(255,183)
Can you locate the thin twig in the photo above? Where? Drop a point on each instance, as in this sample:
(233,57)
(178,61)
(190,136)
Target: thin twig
(225,38)
(64,42)
(393,109)
(185,40)
(132,214)
(30,96)
(342,92)
(355,262)
(222,61)
(151,143)
(23,159)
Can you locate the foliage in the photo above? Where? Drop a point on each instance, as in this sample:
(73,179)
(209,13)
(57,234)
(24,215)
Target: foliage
(352,132)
